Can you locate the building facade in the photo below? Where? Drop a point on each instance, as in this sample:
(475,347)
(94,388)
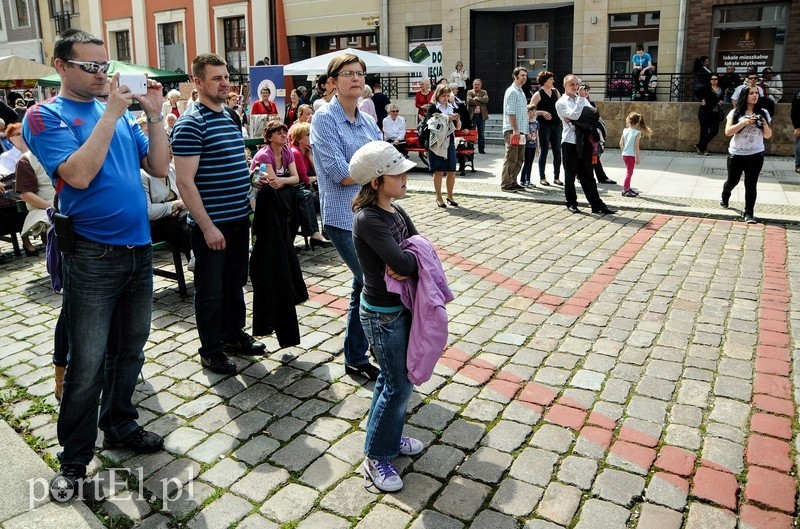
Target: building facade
(491,37)
(19,29)
(743,34)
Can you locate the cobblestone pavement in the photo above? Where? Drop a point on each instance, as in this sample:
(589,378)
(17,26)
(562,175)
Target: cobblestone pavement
(603,372)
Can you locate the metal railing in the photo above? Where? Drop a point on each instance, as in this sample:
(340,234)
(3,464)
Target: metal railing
(673,87)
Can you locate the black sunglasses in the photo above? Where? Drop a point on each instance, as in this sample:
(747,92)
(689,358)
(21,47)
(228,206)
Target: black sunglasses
(91,67)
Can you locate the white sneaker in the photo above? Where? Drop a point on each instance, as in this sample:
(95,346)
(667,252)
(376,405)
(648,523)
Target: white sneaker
(190,266)
(410,446)
(382,474)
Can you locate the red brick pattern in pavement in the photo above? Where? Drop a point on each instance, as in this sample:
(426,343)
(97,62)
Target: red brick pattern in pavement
(770,481)
(716,486)
(768,450)
(765,486)
(676,460)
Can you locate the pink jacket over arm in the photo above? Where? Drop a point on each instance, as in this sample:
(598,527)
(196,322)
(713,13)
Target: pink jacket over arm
(425,296)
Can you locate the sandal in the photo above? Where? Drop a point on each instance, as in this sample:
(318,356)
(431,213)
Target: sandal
(452,202)
(544,182)
(558,182)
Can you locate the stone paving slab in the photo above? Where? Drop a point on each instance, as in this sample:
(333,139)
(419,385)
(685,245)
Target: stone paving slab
(637,370)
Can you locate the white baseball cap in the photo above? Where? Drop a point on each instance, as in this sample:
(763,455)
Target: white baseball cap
(378,158)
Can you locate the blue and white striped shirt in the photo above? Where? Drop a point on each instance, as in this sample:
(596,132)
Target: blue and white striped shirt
(334,140)
(222,178)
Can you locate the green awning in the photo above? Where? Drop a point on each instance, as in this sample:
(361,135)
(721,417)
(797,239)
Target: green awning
(162,76)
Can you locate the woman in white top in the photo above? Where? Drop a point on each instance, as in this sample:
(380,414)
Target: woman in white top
(748,125)
(394,126)
(459,77)
(192,102)
(440,164)
(170,106)
(9,159)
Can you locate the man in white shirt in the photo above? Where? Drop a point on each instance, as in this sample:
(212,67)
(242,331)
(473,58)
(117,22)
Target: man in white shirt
(569,108)
(751,80)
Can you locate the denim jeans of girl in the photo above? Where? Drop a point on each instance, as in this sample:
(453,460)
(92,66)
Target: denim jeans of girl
(388,333)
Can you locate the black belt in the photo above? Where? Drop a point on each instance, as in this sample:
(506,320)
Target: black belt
(113,247)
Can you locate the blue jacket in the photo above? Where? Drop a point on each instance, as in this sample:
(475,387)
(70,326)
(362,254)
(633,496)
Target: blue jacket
(425,296)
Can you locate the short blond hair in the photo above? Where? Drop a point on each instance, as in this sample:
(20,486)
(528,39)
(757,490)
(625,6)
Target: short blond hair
(298,131)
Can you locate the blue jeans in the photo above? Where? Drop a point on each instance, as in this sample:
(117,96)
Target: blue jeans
(219,279)
(388,333)
(60,344)
(108,296)
(550,137)
(797,153)
(355,343)
(530,154)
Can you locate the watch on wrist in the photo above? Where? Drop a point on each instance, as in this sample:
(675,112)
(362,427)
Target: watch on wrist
(158,119)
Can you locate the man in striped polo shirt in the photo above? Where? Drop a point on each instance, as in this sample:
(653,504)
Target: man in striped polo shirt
(214,180)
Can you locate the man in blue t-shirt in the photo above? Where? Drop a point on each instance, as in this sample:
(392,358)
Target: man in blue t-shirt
(642,66)
(94,151)
(213,179)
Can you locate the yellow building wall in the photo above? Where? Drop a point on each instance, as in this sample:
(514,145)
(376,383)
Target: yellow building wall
(590,39)
(327,17)
(80,21)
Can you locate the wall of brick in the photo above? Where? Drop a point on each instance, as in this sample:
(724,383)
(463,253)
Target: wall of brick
(676,127)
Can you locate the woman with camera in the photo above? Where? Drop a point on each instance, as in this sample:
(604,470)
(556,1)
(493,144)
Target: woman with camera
(748,125)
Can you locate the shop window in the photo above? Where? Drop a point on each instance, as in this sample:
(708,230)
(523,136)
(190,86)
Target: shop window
(746,36)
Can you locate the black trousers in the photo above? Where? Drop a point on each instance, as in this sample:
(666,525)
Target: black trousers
(709,126)
(173,230)
(582,169)
(750,165)
(219,279)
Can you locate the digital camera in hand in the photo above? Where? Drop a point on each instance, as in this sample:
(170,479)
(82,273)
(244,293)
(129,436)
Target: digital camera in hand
(759,121)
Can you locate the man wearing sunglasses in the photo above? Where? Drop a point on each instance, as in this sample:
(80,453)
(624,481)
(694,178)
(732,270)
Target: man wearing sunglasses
(751,80)
(94,151)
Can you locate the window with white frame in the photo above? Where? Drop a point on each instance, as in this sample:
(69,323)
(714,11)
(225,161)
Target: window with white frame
(122,40)
(171,52)
(62,7)
(20,16)
(235,42)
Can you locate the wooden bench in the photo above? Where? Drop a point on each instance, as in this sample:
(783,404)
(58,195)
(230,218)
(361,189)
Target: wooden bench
(465,147)
(12,216)
(177,261)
